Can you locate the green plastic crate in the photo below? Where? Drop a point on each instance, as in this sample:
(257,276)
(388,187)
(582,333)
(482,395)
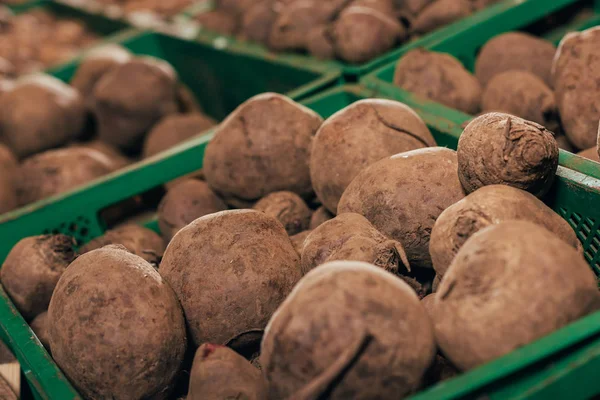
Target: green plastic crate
(352,72)
(464,44)
(561,365)
(220,81)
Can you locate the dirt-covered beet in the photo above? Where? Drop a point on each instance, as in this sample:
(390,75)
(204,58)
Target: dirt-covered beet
(575,74)
(94,65)
(295,19)
(349,330)
(403,195)
(487,206)
(362,33)
(184,203)
(320,216)
(39,113)
(262,147)
(439,77)
(140,241)
(515,51)
(498,148)
(116,328)
(32,269)
(131,98)
(510,284)
(392,128)
(39,326)
(288,208)
(175,129)
(230,271)
(440,13)
(220,373)
(56,171)
(351,237)
(524,95)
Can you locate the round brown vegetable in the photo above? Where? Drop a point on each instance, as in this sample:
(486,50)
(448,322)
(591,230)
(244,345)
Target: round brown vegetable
(116,328)
(220,373)
(510,284)
(488,206)
(139,240)
(428,302)
(575,74)
(184,203)
(38,113)
(232,280)
(94,65)
(320,216)
(497,148)
(392,128)
(515,51)
(130,98)
(349,330)
(175,129)
(39,326)
(441,13)
(524,95)
(32,269)
(295,19)
(288,208)
(363,33)
(439,77)
(262,147)
(351,237)
(57,171)
(403,195)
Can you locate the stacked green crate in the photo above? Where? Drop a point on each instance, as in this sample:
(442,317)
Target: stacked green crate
(545,368)
(464,45)
(528,11)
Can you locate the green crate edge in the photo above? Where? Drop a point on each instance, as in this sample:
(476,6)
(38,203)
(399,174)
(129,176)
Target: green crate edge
(380,87)
(352,72)
(50,383)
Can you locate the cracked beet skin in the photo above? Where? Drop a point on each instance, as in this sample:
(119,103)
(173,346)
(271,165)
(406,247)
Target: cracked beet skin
(262,147)
(358,136)
(403,195)
(509,285)
(487,206)
(349,330)
(497,148)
